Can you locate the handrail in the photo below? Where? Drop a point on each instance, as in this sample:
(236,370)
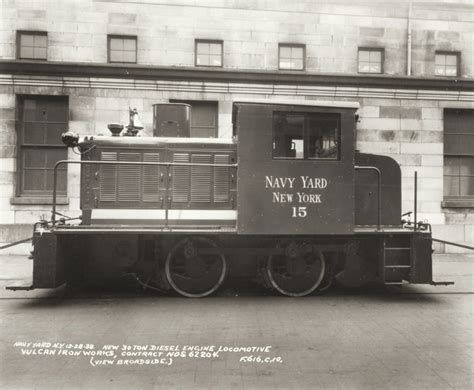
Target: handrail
(140,163)
(379,190)
(452,243)
(415,201)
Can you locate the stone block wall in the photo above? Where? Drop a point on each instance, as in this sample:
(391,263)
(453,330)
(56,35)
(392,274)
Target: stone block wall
(251,31)
(411,132)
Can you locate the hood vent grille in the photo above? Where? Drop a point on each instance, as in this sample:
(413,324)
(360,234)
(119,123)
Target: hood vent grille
(133,186)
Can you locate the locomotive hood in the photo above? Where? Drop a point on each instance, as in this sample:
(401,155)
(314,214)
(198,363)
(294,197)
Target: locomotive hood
(71,139)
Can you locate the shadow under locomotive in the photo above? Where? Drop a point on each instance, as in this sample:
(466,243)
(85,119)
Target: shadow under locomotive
(89,292)
(287,202)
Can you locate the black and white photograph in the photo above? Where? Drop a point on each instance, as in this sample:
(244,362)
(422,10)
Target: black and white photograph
(237,194)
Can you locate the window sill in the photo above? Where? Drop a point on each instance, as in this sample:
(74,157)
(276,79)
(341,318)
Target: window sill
(37,200)
(458,203)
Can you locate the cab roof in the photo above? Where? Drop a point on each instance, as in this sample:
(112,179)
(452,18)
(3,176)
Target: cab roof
(301,102)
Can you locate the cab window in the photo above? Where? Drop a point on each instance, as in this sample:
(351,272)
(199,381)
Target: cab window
(306,136)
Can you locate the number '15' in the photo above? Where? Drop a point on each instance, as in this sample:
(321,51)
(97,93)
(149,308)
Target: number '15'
(299,212)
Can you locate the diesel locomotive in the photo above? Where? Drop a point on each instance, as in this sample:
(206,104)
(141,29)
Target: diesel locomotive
(288,201)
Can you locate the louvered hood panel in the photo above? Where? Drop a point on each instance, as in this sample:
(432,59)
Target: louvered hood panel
(129,186)
(130,179)
(108,178)
(222,179)
(180,179)
(200,186)
(201,179)
(151,178)
(158,187)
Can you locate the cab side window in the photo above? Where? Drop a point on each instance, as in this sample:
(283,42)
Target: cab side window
(288,134)
(306,136)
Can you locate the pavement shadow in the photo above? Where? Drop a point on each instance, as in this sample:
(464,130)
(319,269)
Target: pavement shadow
(127,288)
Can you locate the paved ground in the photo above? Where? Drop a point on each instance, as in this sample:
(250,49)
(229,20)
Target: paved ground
(420,337)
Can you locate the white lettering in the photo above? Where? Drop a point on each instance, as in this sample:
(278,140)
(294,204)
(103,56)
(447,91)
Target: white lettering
(303,197)
(299,212)
(132,354)
(279,182)
(278,197)
(315,182)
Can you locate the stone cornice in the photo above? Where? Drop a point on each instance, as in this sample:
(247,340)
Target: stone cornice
(66,75)
(63,69)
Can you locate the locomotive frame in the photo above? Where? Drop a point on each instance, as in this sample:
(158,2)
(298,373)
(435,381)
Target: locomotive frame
(291,203)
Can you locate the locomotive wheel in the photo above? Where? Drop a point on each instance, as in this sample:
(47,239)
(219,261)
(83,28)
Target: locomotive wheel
(192,274)
(296,272)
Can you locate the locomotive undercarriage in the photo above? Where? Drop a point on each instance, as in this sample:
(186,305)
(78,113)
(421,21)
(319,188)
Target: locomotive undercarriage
(196,265)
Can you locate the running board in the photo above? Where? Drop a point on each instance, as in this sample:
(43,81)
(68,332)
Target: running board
(20,286)
(400,283)
(446,283)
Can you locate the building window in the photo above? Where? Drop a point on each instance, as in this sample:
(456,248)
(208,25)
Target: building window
(41,121)
(203,118)
(305,135)
(32,45)
(370,60)
(291,56)
(208,53)
(458,154)
(447,63)
(122,49)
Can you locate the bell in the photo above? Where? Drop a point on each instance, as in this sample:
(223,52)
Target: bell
(134,124)
(135,120)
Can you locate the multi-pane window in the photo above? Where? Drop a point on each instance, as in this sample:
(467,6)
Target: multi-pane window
(291,56)
(203,118)
(41,121)
(446,64)
(208,53)
(458,154)
(122,49)
(306,135)
(370,60)
(32,45)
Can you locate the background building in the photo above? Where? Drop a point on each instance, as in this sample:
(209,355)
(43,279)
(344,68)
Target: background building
(81,64)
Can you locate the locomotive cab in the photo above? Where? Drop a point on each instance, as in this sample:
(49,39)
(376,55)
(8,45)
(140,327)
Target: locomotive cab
(296,167)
